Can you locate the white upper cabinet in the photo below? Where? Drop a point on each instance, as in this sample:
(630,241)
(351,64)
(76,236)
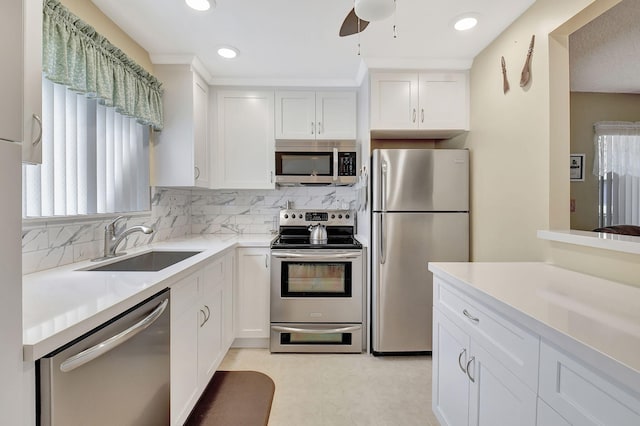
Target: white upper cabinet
(181,155)
(32,109)
(11,71)
(308,115)
(425,104)
(244,143)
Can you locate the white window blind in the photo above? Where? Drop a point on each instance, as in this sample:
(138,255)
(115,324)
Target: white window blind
(94,159)
(617,164)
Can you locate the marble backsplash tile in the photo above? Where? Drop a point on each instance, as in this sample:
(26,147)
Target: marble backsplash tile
(174,213)
(51,243)
(256,211)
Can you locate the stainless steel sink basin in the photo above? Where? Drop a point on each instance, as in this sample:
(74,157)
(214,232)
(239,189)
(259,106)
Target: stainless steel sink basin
(146,262)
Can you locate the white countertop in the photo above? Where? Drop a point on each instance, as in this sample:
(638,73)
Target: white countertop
(61,304)
(600,314)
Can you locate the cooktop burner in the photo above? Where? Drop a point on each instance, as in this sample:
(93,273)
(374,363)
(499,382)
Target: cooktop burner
(294,230)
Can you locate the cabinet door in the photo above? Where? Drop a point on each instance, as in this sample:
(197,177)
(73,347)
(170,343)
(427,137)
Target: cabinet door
(200,131)
(245,140)
(497,397)
(173,148)
(11,71)
(394,101)
(443,101)
(450,382)
(252,304)
(184,341)
(210,322)
(547,416)
(336,115)
(295,115)
(32,116)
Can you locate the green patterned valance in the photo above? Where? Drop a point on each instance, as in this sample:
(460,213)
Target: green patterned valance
(75,55)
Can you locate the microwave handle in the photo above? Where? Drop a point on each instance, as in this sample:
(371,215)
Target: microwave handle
(335,164)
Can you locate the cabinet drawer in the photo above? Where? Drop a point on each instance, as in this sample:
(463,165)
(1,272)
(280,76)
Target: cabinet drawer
(513,346)
(582,396)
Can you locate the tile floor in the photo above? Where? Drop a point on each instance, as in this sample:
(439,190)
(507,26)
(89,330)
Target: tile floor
(342,390)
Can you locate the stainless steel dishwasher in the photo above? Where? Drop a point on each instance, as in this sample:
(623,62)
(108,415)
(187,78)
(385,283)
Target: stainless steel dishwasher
(117,374)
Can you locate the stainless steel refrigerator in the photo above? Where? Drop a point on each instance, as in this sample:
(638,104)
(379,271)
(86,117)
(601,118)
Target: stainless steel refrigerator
(420,214)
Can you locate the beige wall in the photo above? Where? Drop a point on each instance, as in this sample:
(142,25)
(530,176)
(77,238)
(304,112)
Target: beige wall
(89,13)
(510,139)
(587,109)
(519,145)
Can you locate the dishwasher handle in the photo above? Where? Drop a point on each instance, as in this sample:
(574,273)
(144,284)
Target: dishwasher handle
(94,352)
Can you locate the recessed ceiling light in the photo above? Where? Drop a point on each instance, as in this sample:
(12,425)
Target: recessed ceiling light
(465,23)
(200,5)
(228,52)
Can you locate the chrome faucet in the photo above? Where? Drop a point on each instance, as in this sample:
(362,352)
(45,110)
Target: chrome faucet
(111,241)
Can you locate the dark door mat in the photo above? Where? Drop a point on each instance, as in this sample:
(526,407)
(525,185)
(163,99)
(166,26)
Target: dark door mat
(239,398)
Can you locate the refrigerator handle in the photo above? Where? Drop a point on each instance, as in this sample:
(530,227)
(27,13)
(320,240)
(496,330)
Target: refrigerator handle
(383,250)
(383,186)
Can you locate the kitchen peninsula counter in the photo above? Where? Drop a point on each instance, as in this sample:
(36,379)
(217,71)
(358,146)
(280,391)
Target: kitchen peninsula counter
(61,304)
(582,314)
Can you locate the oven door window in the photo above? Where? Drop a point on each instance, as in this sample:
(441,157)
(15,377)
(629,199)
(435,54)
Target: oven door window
(304,164)
(316,279)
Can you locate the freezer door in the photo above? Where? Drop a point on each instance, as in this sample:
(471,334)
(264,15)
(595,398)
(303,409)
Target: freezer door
(420,180)
(403,244)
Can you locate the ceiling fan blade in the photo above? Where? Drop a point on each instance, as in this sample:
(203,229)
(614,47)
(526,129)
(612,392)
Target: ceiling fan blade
(350,24)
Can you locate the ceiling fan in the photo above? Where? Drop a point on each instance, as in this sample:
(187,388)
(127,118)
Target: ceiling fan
(363,12)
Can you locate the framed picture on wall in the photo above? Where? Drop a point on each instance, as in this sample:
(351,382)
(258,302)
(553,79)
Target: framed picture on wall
(576,171)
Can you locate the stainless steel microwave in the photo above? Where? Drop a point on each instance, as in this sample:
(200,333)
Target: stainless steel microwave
(316,162)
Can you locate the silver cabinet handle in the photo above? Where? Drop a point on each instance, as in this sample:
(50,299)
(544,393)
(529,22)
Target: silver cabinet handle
(266,261)
(414,115)
(335,164)
(313,127)
(473,358)
(464,351)
(319,127)
(271,176)
(204,318)
(94,352)
(285,255)
(312,331)
(39,138)
(422,115)
(197,172)
(471,317)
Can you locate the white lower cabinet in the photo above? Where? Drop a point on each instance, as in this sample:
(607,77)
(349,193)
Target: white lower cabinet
(470,385)
(201,319)
(252,302)
(582,396)
(489,369)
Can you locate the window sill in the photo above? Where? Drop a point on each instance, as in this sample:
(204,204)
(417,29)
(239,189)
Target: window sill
(599,240)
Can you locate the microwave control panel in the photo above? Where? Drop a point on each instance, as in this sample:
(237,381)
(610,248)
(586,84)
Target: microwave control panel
(346,163)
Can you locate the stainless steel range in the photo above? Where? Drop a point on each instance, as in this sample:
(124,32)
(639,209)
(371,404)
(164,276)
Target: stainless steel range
(317,284)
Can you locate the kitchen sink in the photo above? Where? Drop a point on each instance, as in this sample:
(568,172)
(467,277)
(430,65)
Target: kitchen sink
(146,262)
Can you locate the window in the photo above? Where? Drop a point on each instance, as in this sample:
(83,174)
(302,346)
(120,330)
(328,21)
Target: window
(617,166)
(94,160)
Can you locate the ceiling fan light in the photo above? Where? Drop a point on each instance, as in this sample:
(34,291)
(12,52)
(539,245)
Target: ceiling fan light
(374,10)
(200,5)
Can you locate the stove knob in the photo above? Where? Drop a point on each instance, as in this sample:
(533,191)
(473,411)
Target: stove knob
(286,216)
(339,216)
(346,216)
(293,216)
(333,216)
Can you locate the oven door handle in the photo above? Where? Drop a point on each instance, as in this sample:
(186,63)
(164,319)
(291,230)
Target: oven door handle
(316,331)
(315,256)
